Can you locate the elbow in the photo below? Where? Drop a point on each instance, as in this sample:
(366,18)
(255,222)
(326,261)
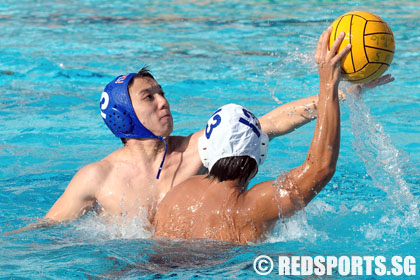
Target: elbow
(319,176)
(326,172)
(321,170)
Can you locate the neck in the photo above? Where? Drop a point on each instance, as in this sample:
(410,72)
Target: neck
(233,185)
(147,150)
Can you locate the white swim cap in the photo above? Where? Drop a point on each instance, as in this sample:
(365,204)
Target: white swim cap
(232,131)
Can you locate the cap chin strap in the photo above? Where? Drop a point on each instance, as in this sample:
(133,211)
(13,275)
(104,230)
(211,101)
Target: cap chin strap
(164,155)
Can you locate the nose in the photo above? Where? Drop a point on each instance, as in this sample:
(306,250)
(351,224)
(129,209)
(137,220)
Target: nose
(162,102)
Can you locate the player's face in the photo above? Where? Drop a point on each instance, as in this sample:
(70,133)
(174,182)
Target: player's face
(151,106)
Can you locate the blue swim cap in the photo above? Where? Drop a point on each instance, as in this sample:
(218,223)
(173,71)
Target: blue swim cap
(118,113)
(117,110)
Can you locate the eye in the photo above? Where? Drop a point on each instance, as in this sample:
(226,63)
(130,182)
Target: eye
(149,97)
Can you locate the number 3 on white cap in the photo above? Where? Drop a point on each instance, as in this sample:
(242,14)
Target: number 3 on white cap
(217,120)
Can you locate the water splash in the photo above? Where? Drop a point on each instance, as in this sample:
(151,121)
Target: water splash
(271,71)
(307,59)
(280,72)
(93,226)
(384,164)
(295,228)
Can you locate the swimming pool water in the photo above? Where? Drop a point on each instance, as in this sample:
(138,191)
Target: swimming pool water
(56,57)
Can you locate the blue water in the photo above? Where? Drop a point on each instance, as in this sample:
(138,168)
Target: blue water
(56,57)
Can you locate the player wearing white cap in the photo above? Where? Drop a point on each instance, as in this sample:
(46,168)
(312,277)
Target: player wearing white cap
(218,206)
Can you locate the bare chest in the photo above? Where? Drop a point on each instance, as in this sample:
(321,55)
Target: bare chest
(128,194)
(130,190)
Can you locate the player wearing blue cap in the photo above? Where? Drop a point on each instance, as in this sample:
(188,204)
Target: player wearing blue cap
(138,175)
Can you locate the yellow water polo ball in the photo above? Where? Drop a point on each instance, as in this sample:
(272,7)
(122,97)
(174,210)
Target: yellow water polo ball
(372,45)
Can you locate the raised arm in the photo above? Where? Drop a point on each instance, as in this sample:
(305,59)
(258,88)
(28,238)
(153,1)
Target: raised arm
(295,189)
(290,116)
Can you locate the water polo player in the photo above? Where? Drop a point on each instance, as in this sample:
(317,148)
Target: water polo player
(218,206)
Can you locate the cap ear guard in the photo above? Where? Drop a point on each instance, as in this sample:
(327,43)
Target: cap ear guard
(203,151)
(264,147)
(119,121)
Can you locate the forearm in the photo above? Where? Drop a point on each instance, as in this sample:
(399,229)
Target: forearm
(290,116)
(41,223)
(326,140)
(323,153)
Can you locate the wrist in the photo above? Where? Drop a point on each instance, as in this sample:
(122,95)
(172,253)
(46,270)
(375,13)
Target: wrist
(328,87)
(330,83)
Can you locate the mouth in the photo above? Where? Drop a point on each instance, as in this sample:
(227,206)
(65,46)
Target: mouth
(166,116)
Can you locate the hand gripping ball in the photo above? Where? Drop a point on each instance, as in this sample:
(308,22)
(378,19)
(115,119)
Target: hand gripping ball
(372,45)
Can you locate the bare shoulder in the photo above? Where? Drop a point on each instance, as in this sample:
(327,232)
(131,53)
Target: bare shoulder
(257,196)
(186,189)
(95,171)
(185,143)
(81,192)
(182,195)
(266,201)
(91,176)
(177,203)
(185,150)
